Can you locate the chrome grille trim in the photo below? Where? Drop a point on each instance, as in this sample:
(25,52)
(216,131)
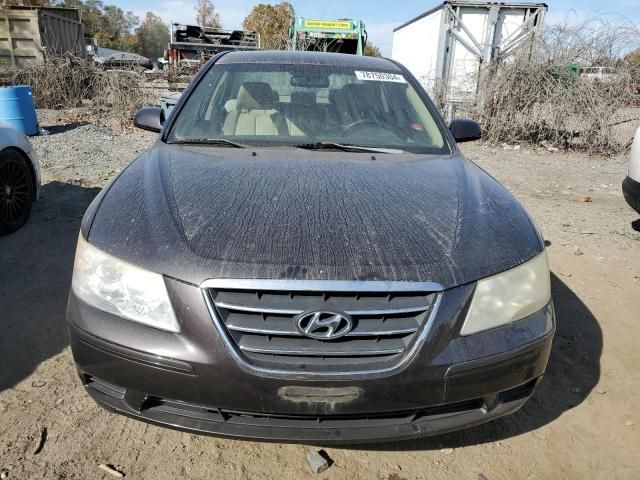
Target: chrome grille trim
(241,308)
(275,311)
(323,353)
(346,287)
(322,285)
(384,312)
(295,333)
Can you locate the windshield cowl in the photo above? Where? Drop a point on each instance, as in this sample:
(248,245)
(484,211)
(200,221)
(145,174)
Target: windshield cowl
(346,148)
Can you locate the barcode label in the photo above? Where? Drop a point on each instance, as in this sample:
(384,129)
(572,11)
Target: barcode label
(380,77)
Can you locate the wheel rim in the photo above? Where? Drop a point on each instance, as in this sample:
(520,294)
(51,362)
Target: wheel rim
(14,191)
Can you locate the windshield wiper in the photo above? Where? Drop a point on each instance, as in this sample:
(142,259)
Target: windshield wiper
(217,142)
(345,147)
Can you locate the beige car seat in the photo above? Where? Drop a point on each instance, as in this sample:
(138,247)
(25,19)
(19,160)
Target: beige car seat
(255,112)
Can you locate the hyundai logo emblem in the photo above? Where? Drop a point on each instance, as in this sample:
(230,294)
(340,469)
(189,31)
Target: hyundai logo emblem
(324,325)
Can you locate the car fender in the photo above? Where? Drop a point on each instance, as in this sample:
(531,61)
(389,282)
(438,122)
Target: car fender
(634,160)
(13,138)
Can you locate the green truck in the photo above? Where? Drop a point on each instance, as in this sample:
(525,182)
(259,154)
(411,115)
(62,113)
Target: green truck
(337,36)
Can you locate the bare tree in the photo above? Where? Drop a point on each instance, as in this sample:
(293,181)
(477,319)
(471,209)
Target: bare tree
(206,15)
(68,81)
(556,98)
(589,40)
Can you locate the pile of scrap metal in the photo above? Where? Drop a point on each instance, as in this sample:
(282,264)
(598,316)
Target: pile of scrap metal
(191,45)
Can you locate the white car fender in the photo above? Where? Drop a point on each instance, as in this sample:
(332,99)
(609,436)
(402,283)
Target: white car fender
(634,160)
(13,138)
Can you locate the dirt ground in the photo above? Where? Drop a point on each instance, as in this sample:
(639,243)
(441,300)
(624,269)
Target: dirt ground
(581,423)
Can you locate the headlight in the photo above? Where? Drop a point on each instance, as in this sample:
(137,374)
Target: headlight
(509,296)
(116,287)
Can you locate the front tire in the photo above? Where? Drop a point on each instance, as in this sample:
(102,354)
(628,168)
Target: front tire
(16,191)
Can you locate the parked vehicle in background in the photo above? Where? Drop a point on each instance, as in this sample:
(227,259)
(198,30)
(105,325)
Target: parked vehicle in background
(631,184)
(162,62)
(335,36)
(305,254)
(110,58)
(191,46)
(124,60)
(29,34)
(168,101)
(19,179)
(604,74)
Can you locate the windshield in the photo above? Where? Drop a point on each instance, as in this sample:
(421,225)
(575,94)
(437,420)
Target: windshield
(293,105)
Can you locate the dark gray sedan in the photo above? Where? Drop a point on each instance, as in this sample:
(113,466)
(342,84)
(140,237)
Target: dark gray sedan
(305,255)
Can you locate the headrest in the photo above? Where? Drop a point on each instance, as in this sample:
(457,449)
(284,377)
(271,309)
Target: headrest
(256,96)
(357,90)
(335,95)
(360,99)
(303,98)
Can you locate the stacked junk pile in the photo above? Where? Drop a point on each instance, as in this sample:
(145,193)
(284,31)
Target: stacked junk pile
(192,45)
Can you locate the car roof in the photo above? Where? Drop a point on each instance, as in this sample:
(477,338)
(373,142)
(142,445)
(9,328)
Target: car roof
(310,58)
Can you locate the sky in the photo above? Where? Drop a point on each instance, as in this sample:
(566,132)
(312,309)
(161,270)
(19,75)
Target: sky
(380,17)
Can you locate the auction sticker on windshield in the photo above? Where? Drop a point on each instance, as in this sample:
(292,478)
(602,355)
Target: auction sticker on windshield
(380,77)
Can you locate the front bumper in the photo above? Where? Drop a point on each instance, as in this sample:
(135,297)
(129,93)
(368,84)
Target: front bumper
(192,382)
(631,191)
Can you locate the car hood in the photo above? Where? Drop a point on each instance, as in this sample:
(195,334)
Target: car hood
(197,213)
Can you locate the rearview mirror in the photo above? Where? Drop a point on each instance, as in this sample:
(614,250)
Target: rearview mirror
(310,81)
(464,130)
(149,118)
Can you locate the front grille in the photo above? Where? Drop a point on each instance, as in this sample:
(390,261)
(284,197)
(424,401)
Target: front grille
(262,325)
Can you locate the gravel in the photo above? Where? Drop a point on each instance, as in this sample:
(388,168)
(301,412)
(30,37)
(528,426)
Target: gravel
(83,153)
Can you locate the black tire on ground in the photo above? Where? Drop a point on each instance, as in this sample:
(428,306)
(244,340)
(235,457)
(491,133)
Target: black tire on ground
(16,191)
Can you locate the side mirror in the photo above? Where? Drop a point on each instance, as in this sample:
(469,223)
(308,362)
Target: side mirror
(149,118)
(464,130)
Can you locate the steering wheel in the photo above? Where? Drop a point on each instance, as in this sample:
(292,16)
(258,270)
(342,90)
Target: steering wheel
(360,124)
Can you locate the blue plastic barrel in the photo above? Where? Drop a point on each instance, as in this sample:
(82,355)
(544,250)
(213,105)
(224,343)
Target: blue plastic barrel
(17,108)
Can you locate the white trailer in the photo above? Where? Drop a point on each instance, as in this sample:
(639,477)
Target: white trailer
(449,47)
